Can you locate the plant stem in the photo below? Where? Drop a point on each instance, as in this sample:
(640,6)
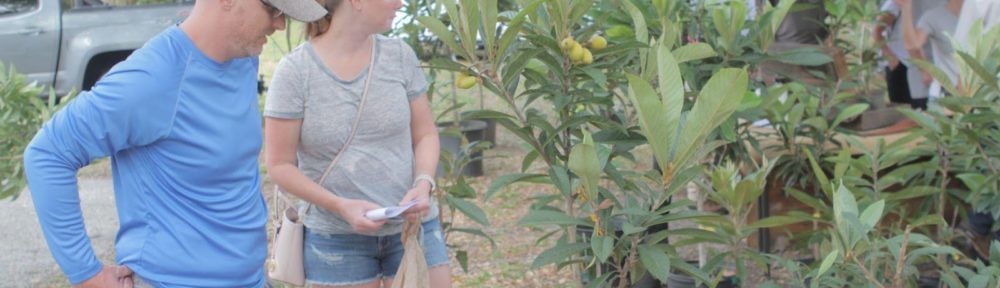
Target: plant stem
(943,153)
(897,280)
(454,97)
(868,274)
(629,264)
(982,151)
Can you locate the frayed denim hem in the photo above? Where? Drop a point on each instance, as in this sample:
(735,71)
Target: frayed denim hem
(310,283)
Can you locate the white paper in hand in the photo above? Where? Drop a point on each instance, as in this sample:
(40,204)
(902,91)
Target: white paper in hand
(389,212)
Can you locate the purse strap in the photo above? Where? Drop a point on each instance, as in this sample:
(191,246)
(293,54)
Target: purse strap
(354,129)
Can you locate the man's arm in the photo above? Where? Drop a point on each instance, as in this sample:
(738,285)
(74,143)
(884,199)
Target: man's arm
(885,21)
(120,112)
(913,38)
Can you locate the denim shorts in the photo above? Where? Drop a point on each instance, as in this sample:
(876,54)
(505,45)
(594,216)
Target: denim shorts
(352,259)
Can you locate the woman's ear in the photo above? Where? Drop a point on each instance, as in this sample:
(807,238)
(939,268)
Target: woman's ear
(227,5)
(355,4)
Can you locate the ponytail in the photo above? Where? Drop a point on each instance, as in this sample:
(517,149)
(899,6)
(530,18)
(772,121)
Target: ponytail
(320,26)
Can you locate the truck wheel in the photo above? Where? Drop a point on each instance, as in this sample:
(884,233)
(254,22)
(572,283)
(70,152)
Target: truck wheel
(100,65)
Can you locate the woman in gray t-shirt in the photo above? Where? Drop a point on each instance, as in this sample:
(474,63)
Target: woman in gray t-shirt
(311,107)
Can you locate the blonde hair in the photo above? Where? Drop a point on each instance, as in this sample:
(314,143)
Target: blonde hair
(320,26)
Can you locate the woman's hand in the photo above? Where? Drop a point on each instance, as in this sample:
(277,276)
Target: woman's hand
(422,194)
(353,211)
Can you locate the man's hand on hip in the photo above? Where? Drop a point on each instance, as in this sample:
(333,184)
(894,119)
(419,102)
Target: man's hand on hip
(110,276)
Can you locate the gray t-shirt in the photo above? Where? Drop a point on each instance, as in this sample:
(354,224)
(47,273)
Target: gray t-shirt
(895,41)
(940,24)
(378,165)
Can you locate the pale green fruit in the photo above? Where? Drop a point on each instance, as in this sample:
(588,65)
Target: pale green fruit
(598,43)
(466,82)
(576,53)
(567,43)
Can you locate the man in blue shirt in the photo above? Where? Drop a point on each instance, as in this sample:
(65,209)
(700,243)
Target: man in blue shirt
(181,122)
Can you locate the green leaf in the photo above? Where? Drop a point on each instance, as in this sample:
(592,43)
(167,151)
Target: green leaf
(549,217)
(489,15)
(776,221)
(463,259)
(972,180)
(599,78)
(468,26)
(938,74)
(806,198)
(872,214)
(827,263)
(602,246)
(803,57)
(652,118)
(689,269)
(836,8)
(558,253)
(672,98)
(629,229)
(469,209)
(583,161)
(441,31)
(716,102)
(933,219)
(507,179)
(846,218)
(514,27)
(844,204)
(977,67)
(979,281)
(560,178)
(461,189)
(850,111)
(923,119)
(820,175)
(995,252)
(693,51)
(638,20)
(655,260)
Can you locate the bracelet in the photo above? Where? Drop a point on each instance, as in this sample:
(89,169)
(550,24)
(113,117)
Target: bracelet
(425,177)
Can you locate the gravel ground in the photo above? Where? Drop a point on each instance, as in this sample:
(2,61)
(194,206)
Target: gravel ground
(25,260)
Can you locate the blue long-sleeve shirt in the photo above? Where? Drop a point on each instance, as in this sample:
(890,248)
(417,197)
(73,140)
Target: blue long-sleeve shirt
(184,134)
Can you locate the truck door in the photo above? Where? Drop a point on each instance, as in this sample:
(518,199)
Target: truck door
(29,37)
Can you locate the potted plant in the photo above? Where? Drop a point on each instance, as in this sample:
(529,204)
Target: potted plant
(737,194)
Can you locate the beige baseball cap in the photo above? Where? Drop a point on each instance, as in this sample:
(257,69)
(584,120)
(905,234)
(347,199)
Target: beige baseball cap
(302,10)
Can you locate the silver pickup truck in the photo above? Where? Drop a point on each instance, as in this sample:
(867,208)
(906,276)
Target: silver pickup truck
(70,44)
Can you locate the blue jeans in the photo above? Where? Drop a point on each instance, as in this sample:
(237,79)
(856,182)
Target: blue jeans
(352,259)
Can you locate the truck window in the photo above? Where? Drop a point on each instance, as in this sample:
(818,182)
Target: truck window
(131,2)
(15,7)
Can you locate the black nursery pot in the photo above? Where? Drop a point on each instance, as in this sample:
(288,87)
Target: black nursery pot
(647,280)
(678,279)
(472,130)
